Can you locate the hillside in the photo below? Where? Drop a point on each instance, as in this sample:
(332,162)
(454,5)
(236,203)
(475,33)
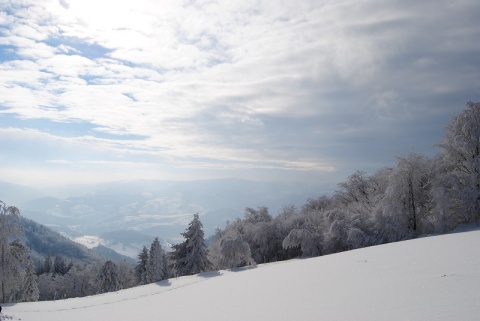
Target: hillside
(43,241)
(432,278)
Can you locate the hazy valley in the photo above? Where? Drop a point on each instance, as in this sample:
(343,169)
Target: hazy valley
(126,215)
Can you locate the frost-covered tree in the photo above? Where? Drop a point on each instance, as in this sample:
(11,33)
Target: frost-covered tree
(12,252)
(126,275)
(235,252)
(406,206)
(190,256)
(260,231)
(460,167)
(142,267)
(14,267)
(46,287)
(303,239)
(336,226)
(30,291)
(258,215)
(357,188)
(319,204)
(157,265)
(77,281)
(108,277)
(264,241)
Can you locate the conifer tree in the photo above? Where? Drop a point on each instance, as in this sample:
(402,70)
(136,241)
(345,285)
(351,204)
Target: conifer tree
(190,256)
(59,266)
(48,265)
(108,277)
(142,266)
(156,270)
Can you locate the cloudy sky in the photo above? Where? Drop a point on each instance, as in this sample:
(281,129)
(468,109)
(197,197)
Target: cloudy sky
(97,90)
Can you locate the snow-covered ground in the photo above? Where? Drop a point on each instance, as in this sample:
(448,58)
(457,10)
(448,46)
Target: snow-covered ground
(433,278)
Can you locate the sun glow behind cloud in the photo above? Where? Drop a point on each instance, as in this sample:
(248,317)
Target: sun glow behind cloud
(256,89)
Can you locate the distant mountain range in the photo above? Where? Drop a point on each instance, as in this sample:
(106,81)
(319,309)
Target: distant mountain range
(126,215)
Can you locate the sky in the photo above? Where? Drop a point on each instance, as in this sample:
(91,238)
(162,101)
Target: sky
(306,91)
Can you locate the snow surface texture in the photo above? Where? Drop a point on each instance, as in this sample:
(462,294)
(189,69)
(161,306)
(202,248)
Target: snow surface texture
(433,278)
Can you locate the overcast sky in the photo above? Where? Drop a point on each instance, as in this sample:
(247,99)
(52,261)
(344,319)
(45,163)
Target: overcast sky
(285,90)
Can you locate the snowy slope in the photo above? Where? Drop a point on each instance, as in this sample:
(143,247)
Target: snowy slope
(434,278)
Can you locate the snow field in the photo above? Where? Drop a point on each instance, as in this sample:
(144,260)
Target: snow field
(433,278)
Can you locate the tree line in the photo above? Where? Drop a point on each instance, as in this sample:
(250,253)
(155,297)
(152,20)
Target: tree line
(54,278)
(418,196)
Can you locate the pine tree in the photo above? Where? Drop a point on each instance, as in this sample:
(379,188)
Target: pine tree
(48,265)
(190,256)
(108,277)
(156,263)
(30,288)
(141,268)
(59,266)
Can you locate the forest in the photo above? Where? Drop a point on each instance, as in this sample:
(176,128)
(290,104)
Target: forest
(418,196)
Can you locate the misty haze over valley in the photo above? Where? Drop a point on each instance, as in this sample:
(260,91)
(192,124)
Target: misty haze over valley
(126,215)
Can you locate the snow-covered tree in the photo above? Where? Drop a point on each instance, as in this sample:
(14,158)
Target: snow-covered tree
(14,270)
(126,275)
(303,239)
(257,215)
(12,252)
(108,277)
(30,291)
(235,252)
(190,256)
(405,209)
(76,281)
(336,227)
(264,242)
(157,265)
(349,222)
(260,232)
(142,267)
(460,167)
(46,287)
(357,188)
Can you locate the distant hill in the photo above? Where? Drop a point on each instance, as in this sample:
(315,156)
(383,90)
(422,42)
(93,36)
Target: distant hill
(43,241)
(110,254)
(14,194)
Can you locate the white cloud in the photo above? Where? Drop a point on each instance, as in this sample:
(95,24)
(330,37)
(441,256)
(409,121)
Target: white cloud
(237,84)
